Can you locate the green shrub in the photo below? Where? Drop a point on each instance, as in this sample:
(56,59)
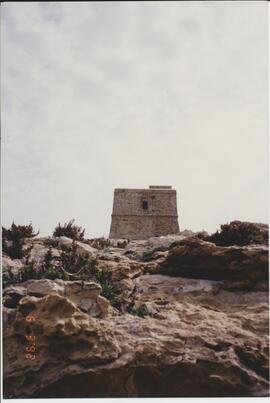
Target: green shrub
(18,232)
(8,279)
(240,233)
(109,292)
(140,311)
(13,240)
(51,242)
(70,230)
(53,273)
(29,272)
(48,259)
(83,277)
(72,261)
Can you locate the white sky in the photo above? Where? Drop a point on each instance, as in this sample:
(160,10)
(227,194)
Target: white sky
(103,95)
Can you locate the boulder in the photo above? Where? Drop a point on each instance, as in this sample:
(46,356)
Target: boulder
(144,249)
(82,248)
(38,252)
(39,288)
(66,341)
(11,269)
(86,295)
(12,295)
(195,258)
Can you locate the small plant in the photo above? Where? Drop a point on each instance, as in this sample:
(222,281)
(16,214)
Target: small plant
(109,292)
(29,272)
(54,273)
(71,261)
(51,242)
(70,230)
(83,277)
(13,240)
(140,311)
(48,259)
(8,279)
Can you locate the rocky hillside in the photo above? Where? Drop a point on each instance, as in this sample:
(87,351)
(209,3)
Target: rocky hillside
(175,316)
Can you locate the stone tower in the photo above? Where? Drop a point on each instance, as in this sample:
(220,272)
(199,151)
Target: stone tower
(144,213)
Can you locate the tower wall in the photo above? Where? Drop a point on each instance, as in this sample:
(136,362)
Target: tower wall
(143,213)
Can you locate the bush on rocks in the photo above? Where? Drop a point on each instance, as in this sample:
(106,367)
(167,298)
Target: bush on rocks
(240,233)
(69,230)
(13,240)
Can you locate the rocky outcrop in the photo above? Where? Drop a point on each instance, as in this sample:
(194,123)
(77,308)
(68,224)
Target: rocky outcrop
(188,344)
(121,275)
(64,336)
(85,295)
(144,250)
(195,258)
(38,251)
(39,247)
(191,320)
(82,247)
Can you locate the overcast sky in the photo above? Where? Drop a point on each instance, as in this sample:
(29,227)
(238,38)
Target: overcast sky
(97,96)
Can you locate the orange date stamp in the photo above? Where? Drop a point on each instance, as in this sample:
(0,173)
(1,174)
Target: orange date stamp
(30,350)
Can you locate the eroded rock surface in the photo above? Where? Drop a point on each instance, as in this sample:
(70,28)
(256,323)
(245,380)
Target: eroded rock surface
(188,333)
(85,295)
(64,336)
(195,258)
(11,267)
(192,322)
